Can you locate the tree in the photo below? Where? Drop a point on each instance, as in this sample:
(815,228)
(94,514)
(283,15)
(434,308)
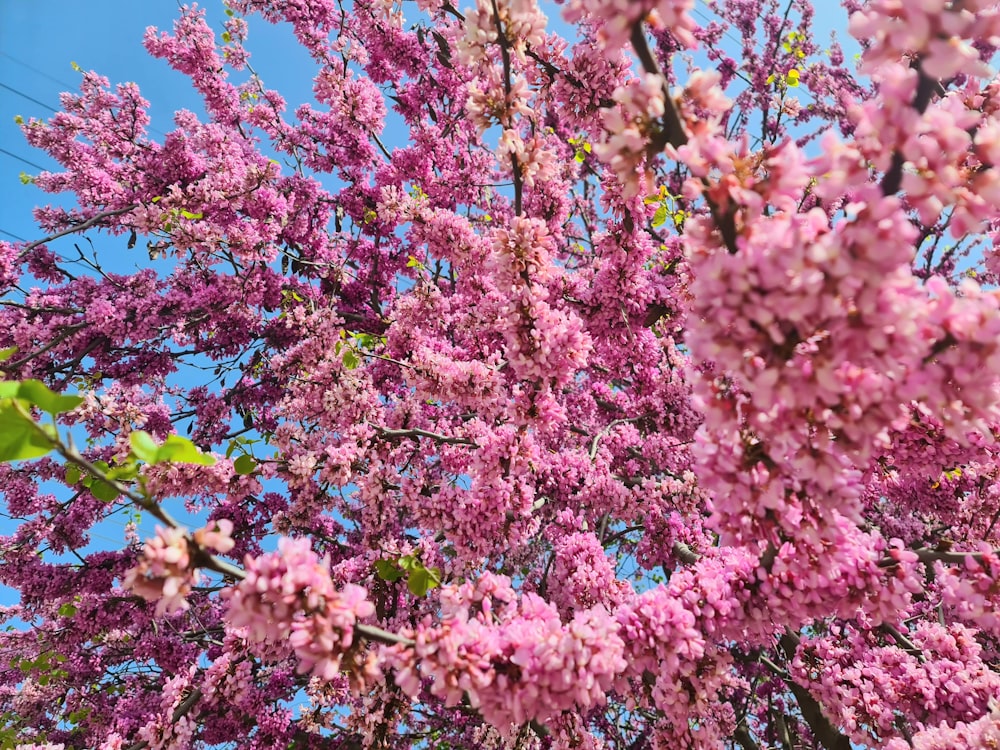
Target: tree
(626,392)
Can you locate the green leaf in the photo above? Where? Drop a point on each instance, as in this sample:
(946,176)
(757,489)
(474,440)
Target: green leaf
(124,473)
(143,446)
(227,37)
(19,436)
(103,491)
(79,715)
(73,475)
(73,64)
(25,178)
(37,393)
(245,465)
(351,360)
(180,450)
(387,570)
(18,120)
(660,217)
(419,581)
(67,610)
(190,215)
(7,353)
(229,12)
(175,449)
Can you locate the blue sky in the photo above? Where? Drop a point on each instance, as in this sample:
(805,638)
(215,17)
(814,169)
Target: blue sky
(39,39)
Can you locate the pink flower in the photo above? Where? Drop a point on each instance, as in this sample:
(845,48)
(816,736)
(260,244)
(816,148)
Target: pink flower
(289,596)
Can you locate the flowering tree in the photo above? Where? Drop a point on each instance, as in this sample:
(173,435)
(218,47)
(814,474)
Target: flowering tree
(631,389)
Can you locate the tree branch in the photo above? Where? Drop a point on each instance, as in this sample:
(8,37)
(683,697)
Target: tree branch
(83,225)
(822,729)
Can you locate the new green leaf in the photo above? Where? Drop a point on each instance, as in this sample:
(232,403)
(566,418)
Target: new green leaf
(245,465)
(20,437)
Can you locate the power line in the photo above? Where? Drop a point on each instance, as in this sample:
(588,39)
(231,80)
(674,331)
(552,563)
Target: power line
(29,98)
(43,104)
(14,236)
(21,158)
(42,73)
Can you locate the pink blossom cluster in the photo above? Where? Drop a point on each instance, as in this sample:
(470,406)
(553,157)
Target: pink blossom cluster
(165,732)
(981,734)
(228,681)
(688,676)
(312,21)
(544,343)
(513,658)
(812,402)
(490,103)
(166,571)
(191,49)
(944,148)
(583,576)
(870,682)
(937,31)
(615,19)
(971,591)
(500,500)
(838,569)
(521,22)
(288,596)
(629,127)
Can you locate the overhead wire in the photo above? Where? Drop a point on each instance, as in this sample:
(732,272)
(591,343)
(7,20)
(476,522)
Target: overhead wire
(26,96)
(33,69)
(21,158)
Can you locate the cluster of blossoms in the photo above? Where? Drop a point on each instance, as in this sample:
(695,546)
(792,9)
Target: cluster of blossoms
(981,733)
(165,572)
(583,576)
(616,20)
(544,343)
(870,682)
(287,599)
(971,591)
(629,128)
(521,22)
(511,656)
(938,31)
(165,732)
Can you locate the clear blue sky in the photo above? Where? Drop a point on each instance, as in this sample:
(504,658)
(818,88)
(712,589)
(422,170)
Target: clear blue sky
(40,38)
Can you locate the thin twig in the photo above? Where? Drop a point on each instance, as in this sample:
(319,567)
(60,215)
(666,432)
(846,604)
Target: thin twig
(83,225)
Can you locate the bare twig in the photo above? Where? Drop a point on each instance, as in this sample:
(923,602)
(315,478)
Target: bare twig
(83,225)
(418,433)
